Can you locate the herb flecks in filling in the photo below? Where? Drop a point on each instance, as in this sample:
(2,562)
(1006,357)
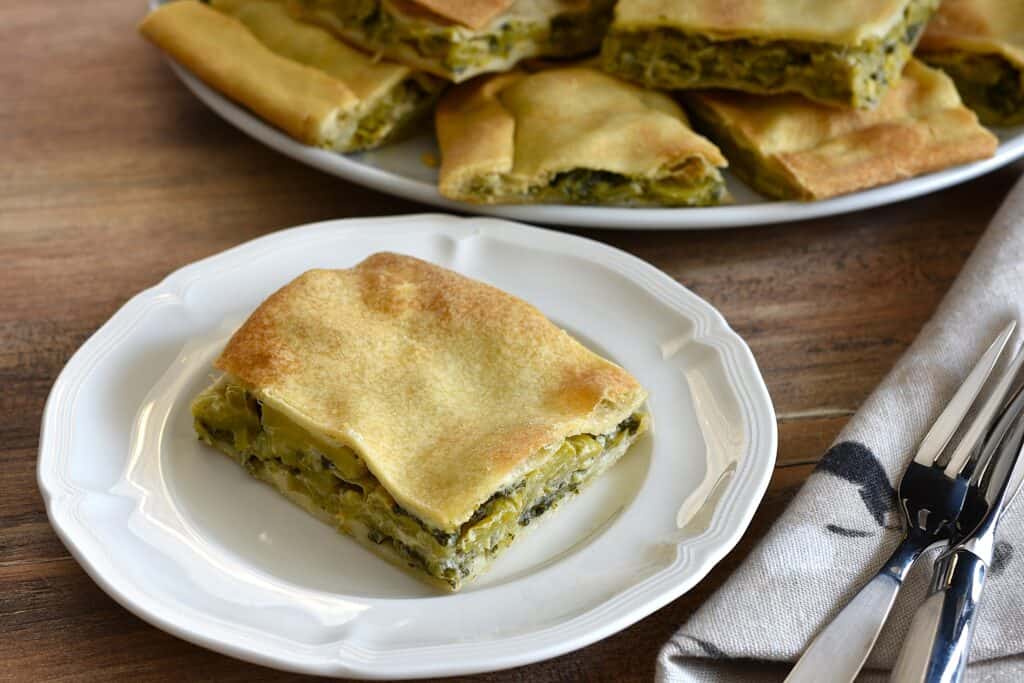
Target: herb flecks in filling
(337,482)
(856,75)
(988,83)
(459,51)
(585,186)
(696,183)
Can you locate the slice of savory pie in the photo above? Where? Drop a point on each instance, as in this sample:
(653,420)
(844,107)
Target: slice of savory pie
(789,147)
(842,52)
(458,39)
(430,416)
(980,43)
(298,77)
(572,134)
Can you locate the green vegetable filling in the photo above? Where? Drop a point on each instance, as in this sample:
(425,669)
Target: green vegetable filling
(337,481)
(458,50)
(988,83)
(694,184)
(395,114)
(838,74)
(584,186)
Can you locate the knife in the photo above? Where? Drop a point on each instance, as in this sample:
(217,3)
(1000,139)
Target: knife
(938,643)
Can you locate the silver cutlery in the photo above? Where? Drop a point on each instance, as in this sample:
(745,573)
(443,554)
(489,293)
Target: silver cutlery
(931,493)
(938,644)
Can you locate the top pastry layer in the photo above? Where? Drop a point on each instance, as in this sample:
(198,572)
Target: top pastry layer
(446,387)
(986,26)
(845,22)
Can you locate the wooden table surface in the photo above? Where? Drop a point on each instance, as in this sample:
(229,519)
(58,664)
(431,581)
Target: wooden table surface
(112,175)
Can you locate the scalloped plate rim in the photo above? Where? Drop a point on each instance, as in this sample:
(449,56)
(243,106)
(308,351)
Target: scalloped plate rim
(735,356)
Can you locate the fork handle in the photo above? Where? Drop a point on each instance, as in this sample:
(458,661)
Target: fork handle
(839,651)
(936,647)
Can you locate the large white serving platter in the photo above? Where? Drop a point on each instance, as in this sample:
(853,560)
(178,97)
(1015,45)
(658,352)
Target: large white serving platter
(400,170)
(183,537)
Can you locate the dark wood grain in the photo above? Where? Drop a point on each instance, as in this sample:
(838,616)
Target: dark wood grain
(112,176)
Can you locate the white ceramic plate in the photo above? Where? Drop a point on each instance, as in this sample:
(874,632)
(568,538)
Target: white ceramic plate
(400,170)
(187,540)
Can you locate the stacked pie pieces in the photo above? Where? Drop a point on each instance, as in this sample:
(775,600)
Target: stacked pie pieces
(591,101)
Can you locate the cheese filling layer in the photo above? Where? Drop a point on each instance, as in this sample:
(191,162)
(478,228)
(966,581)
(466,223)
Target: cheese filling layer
(331,481)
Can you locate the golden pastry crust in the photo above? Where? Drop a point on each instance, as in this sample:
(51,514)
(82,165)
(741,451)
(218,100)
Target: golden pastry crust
(812,151)
(472,13)
(846,22)
(476,133)
(444,386)
(271,22)
(978,26)
(522,129)
(306,103)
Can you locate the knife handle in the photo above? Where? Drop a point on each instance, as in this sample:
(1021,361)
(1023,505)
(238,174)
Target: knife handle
(838,651)
(936,647)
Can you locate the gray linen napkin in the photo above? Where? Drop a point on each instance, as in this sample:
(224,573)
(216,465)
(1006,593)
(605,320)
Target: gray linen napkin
(843,523)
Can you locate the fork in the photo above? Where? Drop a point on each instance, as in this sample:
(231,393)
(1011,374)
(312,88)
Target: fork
(931,494)
(938,644)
